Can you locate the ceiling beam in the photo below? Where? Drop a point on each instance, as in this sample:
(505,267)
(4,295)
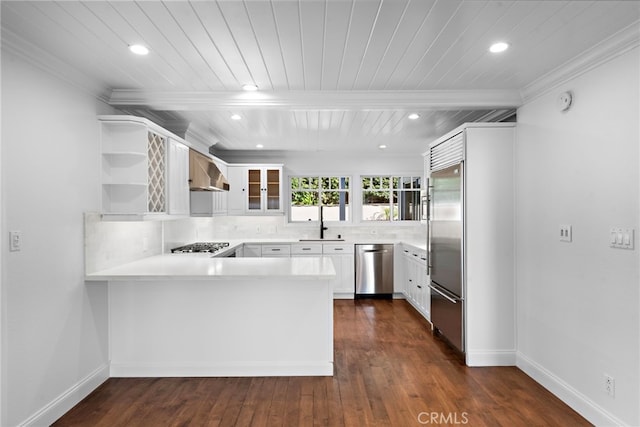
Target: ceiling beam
(320,100)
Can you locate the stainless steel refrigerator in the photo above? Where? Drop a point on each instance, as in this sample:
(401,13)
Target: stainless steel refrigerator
(446,253)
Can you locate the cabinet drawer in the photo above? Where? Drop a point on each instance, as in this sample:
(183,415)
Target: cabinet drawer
(417,255)
(337,249)
(276,250)
(306,249)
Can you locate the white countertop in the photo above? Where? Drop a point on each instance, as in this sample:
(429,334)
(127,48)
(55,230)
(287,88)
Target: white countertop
(420,243)
(205,267)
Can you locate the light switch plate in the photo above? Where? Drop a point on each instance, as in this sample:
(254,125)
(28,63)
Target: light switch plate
(621,238)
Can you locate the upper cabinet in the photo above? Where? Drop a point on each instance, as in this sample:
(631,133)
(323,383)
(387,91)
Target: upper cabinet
(146,175)
(255,189)
(178,178)
(144,170)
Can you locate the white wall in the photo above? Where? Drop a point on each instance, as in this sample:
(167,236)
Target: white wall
(54,330)
(578,303)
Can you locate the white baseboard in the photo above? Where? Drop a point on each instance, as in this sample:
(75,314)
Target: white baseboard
(249,369)
(343,295)
(67,400)
(491,358)
(572,397)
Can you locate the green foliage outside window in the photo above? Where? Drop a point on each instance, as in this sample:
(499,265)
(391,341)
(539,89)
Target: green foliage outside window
(306,191)
(390,198)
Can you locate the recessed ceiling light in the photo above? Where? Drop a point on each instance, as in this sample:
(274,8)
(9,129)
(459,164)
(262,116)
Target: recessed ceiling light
(499,47)
(250,87)
(139,49)
(414,116)
(259,146)
(382,146)
(236,117)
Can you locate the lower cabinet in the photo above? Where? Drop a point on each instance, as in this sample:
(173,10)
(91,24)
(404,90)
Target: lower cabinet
(341,255)
(414,281)
(251,251)
(277,250)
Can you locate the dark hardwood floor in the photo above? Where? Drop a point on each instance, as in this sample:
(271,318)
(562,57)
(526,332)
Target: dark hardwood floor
(389,371)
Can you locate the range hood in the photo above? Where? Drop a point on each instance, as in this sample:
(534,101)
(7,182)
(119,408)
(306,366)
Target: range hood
(204,175)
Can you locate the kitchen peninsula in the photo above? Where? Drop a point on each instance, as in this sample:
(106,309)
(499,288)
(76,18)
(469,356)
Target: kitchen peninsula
(173,315)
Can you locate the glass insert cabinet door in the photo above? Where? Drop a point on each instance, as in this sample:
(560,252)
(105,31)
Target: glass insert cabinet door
(263,187)
(273,189)
(254,201)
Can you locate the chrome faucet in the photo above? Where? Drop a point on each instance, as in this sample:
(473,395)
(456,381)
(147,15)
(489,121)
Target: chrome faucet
(322,227)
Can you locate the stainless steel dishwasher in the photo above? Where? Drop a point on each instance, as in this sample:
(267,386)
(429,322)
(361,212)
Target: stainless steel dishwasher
(374,271)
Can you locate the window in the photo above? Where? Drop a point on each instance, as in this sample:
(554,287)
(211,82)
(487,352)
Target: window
(308,193)
(390,198)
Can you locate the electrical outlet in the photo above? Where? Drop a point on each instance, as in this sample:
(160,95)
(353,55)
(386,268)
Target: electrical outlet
(15,241)
(565,233)
(609,385)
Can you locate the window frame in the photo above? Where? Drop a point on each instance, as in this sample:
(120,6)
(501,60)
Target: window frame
(390,189)
(318,190)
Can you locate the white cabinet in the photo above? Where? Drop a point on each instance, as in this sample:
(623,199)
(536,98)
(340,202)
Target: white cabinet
(145,169)
(276,250)
(342,257)
(306,249)
(235,196)
(414,282)
(255,189)
(133,169)
(251,251)
(178,178)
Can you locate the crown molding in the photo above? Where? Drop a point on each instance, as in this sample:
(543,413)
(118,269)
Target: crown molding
(605,51)
(43,60)
(320,100)
(199,134)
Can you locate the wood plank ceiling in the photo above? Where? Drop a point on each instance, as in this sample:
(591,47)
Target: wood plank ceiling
(332,74)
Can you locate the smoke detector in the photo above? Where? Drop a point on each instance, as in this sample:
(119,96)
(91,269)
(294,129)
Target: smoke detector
(564,101)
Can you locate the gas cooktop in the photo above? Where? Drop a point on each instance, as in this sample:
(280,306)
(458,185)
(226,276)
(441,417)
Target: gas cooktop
(208,247)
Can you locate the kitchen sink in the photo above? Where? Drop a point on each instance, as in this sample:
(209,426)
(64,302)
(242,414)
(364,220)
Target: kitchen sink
(321,240)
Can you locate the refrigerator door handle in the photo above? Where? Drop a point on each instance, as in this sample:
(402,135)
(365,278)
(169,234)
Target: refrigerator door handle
(438,291)
(429,188)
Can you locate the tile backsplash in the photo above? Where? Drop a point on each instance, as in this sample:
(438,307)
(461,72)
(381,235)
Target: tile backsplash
(111,243)
(257,228)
